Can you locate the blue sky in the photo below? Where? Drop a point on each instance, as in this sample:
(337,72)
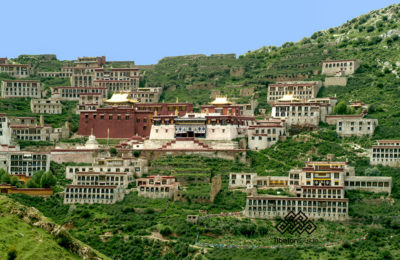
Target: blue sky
(147,30)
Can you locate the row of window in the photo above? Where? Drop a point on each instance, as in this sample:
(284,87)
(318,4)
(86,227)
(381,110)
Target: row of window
(386,150)
(107,169)
(102,178)
(273,92)
(321,191)
(90,190)
(305,210)
(341,64)
(32,93)
(386,155)
(340,129)
(275,203)
(117,74)
(365,184)
(269,139)
(34,157)
(76,196)
(156,189)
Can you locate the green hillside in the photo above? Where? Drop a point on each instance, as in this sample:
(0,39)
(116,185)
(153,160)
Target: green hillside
(372,38)
(144,228)
(29,242)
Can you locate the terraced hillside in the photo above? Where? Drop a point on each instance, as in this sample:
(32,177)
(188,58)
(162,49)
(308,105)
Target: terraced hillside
(372,38)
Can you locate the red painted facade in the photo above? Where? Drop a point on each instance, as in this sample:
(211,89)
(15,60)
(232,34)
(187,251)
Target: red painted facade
(224,109)
(125,122)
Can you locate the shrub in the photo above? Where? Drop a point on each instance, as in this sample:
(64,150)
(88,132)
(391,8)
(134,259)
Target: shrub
(372,172)
(247,229)
(12,253)
(136,153)
(31,184)
(113,151)
(48,180)
(375,40)
(5,178)
(149,211)
(340,108)
(370,28)
(386,254)
(166,231)
(14,180)
(262,230)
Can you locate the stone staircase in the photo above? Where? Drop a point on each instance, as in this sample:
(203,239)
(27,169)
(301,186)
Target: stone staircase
(188,143)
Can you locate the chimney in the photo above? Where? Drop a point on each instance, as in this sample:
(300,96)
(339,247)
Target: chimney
(41,120)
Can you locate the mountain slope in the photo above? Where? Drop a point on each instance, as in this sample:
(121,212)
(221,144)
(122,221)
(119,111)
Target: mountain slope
(372,38)
(35,237)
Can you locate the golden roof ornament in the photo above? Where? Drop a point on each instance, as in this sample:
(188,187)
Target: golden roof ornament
(221,100)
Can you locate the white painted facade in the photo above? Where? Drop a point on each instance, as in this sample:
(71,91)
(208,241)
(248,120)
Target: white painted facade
(162,132)
(387,153)
(134,166)
(5,131)
(356,127)
(265,135)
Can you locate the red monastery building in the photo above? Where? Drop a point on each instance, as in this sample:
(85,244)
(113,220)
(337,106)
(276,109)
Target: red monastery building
(125,122)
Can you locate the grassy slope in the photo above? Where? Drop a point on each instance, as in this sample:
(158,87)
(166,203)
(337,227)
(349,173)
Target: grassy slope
(362,38)
(131,221)
(372,84)
(30,242)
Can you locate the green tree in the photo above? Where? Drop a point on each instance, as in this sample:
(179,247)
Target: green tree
(371,109)
(14,181)
(5,178)
(372,172)
(136,153)
(2,171)
(48,180)
(37,176)
(113,151)
(32,184)
(340,108)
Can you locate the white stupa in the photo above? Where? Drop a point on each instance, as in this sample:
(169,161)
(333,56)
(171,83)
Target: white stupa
(91,143)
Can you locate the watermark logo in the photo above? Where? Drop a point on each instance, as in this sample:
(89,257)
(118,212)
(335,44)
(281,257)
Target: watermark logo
(293,223)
